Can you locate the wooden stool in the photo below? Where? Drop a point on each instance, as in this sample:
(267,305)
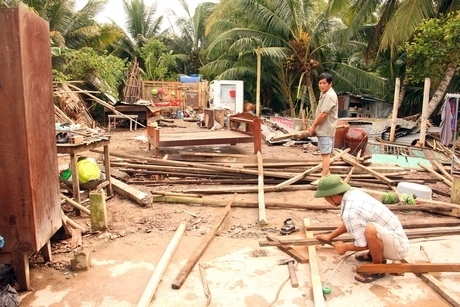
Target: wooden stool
(132,118)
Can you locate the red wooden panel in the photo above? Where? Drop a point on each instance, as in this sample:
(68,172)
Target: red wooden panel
(29,187)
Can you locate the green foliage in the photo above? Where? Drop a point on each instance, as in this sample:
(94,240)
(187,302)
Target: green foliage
(435,45)
(85,64)
(158,61)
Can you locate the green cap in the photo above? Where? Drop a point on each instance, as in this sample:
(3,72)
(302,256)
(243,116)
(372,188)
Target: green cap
(66,174)
(331,185)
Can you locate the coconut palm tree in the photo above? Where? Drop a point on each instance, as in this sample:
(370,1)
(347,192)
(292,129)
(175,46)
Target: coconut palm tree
(70,28)
(141,26)
(187,36)
(295,37)
(396,24)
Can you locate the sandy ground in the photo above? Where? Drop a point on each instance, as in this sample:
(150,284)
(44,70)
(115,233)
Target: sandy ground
(238,271)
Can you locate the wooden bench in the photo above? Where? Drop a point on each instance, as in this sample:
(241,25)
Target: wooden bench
(243,128)
(132,118)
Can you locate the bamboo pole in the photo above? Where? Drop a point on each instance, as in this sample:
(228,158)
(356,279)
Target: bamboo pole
(442,169)
(308,171)
(154,281)
(377,175)
(198,165)
(72,223)
(75,204)
(291,205)
(347,179)
(253,189)
(446,181)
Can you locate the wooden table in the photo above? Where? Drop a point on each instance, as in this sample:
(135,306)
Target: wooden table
(74,149)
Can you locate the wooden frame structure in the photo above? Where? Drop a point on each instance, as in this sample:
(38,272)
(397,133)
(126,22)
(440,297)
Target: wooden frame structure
(243,128)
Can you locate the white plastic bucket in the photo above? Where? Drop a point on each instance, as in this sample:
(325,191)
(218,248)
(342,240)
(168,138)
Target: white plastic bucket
(419,190)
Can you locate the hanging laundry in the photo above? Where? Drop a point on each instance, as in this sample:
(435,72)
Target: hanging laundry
(448,119)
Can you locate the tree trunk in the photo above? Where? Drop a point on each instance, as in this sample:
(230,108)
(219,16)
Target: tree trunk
(311,94)
(441,90)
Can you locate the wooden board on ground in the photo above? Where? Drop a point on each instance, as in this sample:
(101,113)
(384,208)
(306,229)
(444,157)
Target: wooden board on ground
(318,296)
(299,253)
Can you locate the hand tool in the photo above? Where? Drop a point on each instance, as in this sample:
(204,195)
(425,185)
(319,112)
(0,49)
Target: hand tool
(290,263)
(326,289)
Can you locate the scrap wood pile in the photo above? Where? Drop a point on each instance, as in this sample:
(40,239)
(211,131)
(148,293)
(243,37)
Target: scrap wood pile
(132,91)
(72,110)
(71,107)
(252,175)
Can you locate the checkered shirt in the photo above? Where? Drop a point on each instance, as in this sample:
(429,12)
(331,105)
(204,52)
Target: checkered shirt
(359,208)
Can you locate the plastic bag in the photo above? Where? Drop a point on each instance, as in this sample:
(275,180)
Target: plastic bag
(9,297)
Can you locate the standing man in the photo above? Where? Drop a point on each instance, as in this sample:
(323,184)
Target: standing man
(373,226)
(325,121)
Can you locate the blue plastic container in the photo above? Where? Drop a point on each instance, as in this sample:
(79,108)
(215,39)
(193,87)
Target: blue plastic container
(189,79)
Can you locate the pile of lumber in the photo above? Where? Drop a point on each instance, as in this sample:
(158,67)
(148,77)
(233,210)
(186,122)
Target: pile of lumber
(244,174)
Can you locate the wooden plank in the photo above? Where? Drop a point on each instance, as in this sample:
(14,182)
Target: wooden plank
(408,268)
(445,180)
(310,170)
(350,160)
(442,169)
(317,288)
(411,234)
(191,262)
(406,225)
(160,268)
(131,192)
(260,196)
(299,253)
(455,191)
(439,287)
(347,179)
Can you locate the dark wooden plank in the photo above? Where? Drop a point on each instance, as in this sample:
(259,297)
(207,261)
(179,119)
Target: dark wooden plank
(299,253)
(408,268)
(191,262)
(406,225)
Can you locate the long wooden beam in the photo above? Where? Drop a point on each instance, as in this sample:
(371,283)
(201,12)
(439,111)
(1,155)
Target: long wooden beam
(428,169)
(406,225)
(447,293)
(310,170)
(408,268)
(191,262)
(411,234)
(350,160)
(260,189)
(317,288)
(155,279)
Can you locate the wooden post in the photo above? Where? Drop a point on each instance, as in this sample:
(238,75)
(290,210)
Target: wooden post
(98,211)
(261,196)
(455,192)
(259,65)
(154,281)
(426,99)
(394,116)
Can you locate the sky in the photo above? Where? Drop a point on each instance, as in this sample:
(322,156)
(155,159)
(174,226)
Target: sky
(114,10)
